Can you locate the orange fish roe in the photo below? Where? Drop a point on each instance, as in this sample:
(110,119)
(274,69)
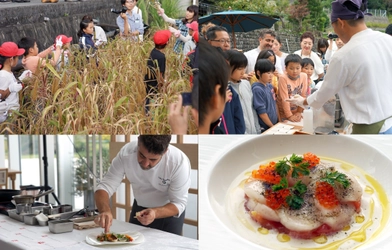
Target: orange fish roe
(312,159)
(325,194)
(267,173)
(276,199)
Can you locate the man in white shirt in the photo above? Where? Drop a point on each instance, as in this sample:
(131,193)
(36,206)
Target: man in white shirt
(359,72)
(160,177)
(266,40)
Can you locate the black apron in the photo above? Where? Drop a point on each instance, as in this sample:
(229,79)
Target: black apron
(169,224)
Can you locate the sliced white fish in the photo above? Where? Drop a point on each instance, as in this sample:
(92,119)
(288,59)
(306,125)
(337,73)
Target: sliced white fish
(255,189)
(265,211)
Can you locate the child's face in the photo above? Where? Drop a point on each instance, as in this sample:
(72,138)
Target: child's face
(237,74)
(266,77)
(67,45)
(89,29)
(308,69)
(293,69)
(34,50)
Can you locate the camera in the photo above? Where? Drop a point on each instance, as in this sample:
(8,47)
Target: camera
(186,98)
(123,10)
(332,36)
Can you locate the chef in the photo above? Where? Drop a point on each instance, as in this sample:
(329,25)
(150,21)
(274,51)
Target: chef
(359,72)
(160,177)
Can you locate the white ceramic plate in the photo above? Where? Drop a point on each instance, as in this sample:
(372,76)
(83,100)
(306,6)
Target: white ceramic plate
(137,239)
(253,150)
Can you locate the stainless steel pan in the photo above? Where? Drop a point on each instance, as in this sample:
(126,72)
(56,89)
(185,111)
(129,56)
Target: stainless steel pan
(29,199)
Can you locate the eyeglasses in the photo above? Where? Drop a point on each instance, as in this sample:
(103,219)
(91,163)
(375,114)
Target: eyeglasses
(223,41)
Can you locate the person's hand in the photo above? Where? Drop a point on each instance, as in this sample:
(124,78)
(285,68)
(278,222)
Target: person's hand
(4,94)
(178,120)
(98,43)
(295,117)
(229,95)
(124,16)
(59,43)
(160,11)
(104,220)
(146,216)
(175,32)
(297,100)
(26,73)
(15,87)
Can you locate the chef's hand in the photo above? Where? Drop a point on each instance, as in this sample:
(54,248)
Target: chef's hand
(146,216)
(104,220)
(297,100)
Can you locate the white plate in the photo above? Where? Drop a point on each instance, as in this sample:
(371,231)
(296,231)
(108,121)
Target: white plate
(137,239)
(253,150)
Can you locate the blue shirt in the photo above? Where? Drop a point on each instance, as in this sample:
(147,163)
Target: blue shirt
(233,117)
(135,22)
(264,102)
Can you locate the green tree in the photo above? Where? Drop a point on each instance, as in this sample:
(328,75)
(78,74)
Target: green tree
(297,13)
(317,17)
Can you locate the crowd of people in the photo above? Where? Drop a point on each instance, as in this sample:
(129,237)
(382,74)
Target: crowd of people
(248,93)
(91,38)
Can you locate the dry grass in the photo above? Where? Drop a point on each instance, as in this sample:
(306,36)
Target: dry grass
(104,98)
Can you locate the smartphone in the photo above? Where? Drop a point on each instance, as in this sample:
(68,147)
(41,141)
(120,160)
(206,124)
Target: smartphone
(186,98)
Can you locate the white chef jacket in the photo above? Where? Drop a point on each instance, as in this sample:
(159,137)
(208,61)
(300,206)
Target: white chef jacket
(167,182)
(360,72)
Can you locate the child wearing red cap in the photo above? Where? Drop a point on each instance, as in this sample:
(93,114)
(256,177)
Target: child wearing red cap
(156,65)
(32,59)
(63,59)
(9,85)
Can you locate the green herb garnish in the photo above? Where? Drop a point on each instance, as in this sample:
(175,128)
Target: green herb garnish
(294,201)
(336,176)
(282,185)
(298,167)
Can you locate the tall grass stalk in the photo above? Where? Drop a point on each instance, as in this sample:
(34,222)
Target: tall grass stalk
(100,98)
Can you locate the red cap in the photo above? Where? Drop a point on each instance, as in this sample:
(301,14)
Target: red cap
(10,49)
(161,37)
(193,25)
(64,39)
(195,36)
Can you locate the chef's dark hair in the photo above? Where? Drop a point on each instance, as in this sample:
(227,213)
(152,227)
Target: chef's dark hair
(155,144)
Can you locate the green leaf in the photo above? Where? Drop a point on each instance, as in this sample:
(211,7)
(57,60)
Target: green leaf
(295,202)
(300,187)
(295,159)
(282,185)
(282,168)
(332,177)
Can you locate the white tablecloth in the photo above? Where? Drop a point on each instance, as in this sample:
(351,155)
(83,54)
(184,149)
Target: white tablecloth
(213,235)
(17,235)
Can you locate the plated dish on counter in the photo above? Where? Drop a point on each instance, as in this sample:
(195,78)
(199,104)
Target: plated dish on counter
(131,238)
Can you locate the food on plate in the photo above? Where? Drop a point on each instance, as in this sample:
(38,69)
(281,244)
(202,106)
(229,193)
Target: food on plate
(302,196)
(112,237)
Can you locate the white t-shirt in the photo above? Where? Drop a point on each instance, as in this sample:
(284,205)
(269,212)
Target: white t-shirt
(167,182)
(252,55)
(6,79)
(99,34)
(318,65)
(360,73)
